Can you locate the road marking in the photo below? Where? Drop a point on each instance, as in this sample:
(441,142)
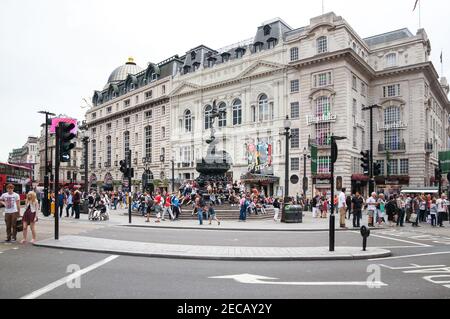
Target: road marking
(402,240)
(259,280)
(410,256)
(68,279)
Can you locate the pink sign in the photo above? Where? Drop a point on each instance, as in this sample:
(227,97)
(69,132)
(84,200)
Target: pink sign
(55,123)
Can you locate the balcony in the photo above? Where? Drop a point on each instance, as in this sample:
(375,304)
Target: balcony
(92,166)
(321,143)
(116,163)
(186,165)
(429,147)
(392,147)
(107,164)
(99,165)
(324,118)
(82,166)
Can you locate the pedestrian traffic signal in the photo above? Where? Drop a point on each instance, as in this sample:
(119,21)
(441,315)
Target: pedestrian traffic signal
(66,138)
(376,169)
(365,162)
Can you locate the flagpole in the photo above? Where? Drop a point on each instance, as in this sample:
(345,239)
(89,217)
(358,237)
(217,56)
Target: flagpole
(323,7)
(420,14)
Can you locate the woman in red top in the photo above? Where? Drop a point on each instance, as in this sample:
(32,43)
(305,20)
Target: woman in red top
(325,208)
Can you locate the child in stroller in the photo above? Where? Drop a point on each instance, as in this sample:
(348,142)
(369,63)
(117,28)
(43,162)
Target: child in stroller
(99,213)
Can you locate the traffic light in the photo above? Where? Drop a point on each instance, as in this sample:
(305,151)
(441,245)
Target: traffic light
(438,175)
(66,144)
(365,162)
(376,169)
(123,168)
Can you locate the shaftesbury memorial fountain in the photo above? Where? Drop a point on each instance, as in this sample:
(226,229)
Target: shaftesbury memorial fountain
(216,164)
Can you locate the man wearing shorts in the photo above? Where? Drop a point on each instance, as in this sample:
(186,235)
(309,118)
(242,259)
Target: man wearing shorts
(372,207)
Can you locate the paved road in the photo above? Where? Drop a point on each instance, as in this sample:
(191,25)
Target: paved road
(133,277)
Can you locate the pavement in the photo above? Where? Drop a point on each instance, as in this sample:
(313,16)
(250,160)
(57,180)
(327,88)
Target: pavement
(156,250)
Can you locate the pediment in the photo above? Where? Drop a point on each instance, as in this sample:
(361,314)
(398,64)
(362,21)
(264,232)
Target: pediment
(259,68)
(183,88)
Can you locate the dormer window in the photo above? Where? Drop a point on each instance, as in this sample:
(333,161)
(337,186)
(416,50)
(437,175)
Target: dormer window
(195,66)
(267,30)
(211,62)
(193,55)
(225,57)
(186,69)
(271,43)
(258,46)
(240,52)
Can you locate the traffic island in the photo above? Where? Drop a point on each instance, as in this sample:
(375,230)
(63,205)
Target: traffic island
(156,250)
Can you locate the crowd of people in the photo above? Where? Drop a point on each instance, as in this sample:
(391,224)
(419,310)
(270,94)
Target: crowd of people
(392,210)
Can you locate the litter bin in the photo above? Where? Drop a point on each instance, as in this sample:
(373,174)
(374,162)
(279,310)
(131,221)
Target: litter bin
(292,214)
(84,207)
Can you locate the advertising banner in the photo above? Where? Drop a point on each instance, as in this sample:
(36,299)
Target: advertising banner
(444,160)
(314,160)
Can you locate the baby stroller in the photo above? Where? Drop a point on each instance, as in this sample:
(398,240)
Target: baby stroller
(99,213)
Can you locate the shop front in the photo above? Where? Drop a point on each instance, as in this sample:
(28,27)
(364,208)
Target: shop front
(264,183)
(391,185)
(322,184)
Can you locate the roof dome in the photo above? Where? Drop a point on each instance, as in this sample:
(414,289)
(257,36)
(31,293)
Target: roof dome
(121,73)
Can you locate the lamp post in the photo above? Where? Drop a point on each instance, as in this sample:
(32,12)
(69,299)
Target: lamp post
(45,203)
(305,179)
(173,174)
(287,128)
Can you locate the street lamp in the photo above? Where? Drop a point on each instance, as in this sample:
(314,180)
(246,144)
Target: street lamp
(287,127)
(173,174)
(305,179)
(45,203)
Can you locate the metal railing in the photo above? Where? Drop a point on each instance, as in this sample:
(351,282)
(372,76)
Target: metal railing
(429,147)
(392,147)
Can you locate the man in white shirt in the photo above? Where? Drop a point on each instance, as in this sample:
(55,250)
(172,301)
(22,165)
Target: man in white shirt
(342,207)
(442,209)
(11,201)
(372,207)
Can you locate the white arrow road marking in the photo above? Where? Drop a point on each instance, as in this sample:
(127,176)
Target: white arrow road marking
(260,280)
(68,279)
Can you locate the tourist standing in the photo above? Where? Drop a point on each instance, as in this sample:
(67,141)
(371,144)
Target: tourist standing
(61,199)
(372,208)
(244,203)
(441,210)
(76,203)
(11,201)
(276,207)
(357,205)
(30,217)
(433,212)
(416,208)
(349,206)
(401,204)
(342,205)
(69,203)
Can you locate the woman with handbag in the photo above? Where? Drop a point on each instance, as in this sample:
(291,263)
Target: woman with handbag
(30,217)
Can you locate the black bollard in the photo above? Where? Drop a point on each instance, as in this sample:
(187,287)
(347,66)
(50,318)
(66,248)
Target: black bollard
(365,233)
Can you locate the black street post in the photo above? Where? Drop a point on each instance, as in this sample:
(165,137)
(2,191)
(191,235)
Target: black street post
(334,156)
(287,128)
(371,178)
(45,203)
(86,171)
(173,175)
(56,186)
(305,180)
(128,160)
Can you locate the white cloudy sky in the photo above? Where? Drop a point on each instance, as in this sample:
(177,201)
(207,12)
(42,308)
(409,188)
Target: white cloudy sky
(54,53)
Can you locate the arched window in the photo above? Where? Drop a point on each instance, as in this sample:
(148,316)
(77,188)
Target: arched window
(322,45)
(208,120)
(391,60)
(108,150)
(263,106)
(323,107)
(237,112)
(392,134)
(222,115)
(187,121)
(148,143)
(267,30)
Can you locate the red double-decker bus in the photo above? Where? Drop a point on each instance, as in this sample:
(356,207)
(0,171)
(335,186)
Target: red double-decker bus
(19,176)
